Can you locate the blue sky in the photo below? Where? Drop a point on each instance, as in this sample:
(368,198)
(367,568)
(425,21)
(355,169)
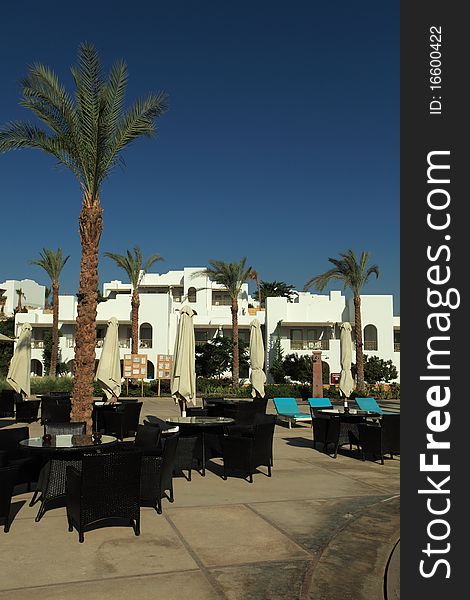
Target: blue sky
(281,142)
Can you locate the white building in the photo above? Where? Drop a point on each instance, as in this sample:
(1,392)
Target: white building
(33,295)
(308,323)
(311,322)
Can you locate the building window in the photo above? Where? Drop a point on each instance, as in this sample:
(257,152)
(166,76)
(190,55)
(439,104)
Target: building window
(370,338)
(221,299)
(396,340)
(192,294)
(296,339)
(36,367)
(177,294)
(145,335)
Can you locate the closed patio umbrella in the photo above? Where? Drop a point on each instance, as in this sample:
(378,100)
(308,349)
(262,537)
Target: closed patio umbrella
(346,382)
(108,374)
(183,374)
(19,373)
(257,375)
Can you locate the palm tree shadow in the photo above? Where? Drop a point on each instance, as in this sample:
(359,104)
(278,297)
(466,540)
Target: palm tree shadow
(299,442)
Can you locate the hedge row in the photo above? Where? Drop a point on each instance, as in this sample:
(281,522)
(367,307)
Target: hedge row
(210,387)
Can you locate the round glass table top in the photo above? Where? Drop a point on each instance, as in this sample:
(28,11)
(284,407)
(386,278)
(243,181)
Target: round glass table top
(201,421)
(67,442)
(352,411)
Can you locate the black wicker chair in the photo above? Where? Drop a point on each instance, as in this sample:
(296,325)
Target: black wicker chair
(7,403)
(50,489)
(105,491)
(245,452)
(8,477)
(15,456)
(68,428)
(157,475)
(55,409)
(123,420)
(26,410)
(380,439)
(147,439)
(187,455)
(67,395)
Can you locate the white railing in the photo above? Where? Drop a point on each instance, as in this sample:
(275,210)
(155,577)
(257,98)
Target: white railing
(396,346)
(125,343)
(145,343)
(310,344)
(37,344)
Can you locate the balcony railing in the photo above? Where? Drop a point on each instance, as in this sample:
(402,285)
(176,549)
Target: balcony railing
(70,342)
(310,344)
(145,343)
(370,345)
(37,344)
(396,346)
(123,343)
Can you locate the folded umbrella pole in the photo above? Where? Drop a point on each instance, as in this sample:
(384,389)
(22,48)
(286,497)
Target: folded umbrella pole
(183,374)
(19,373)
(346,382)
(257,375)
(108,373)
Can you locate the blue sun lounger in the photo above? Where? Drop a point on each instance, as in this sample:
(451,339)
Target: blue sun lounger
(319,403)
(287,408)
(370,404)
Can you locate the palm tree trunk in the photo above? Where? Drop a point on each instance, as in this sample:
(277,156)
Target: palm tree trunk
(359,346)
(235,365)
(135,303)
(259,291)
(55,328)
(91,226)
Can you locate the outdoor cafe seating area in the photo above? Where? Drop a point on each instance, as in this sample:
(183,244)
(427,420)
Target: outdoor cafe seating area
(130,460)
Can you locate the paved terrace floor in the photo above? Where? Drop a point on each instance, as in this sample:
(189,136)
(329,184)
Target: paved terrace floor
(320,528)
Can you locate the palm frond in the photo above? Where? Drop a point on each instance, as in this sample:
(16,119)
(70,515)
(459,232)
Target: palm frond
(229,275)
(138,121)
(52,262)
(131,263)
(353,273)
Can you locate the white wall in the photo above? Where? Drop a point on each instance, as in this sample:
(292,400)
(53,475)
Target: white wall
(34,294)
(161,311)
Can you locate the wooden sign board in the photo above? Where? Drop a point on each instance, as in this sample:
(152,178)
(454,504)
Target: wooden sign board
(135,366)
(164,366)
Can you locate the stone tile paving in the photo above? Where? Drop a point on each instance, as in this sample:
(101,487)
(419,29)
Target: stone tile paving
(319,528)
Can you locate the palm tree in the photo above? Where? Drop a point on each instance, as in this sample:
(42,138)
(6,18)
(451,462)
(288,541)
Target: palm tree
(86,133)
(47,295)
(135,269)
(354,274)
(270,289)
(21,297)
(254,275)
(53,263)
(231,276)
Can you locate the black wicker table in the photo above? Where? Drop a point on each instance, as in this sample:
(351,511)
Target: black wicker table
(59,453)
(202,424)
(348,431)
